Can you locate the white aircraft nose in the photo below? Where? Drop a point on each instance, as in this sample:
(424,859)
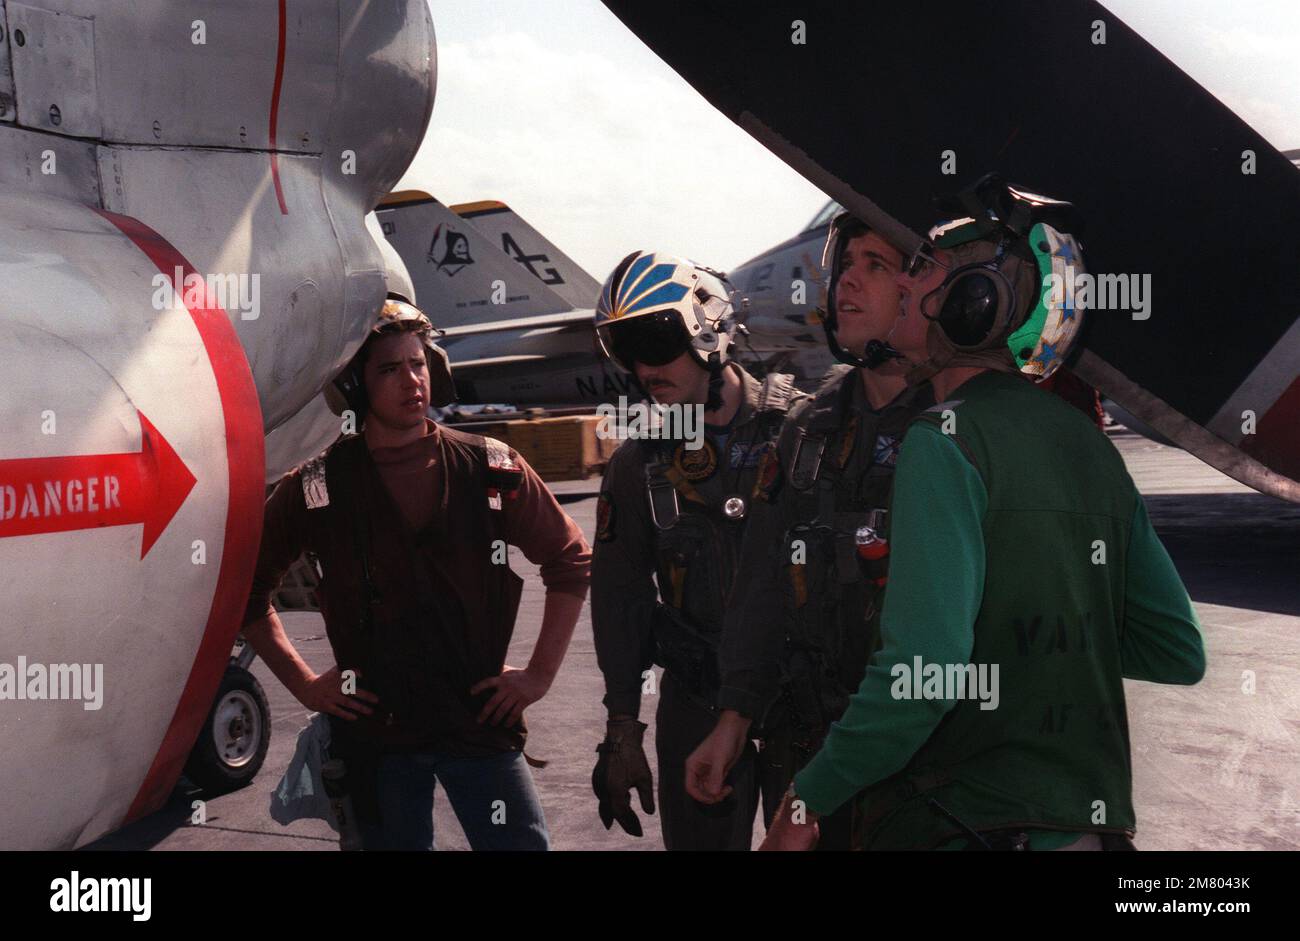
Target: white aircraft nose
(141,486)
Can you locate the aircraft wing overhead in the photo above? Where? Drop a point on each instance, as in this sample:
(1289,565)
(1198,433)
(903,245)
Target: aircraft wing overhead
(532,250)
(1171,184)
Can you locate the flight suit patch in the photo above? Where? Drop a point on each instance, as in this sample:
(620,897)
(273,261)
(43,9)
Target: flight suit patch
(604,518)
(886,453)
(698,464)
(747,455)
(314,491)
(768,478)
(504,475)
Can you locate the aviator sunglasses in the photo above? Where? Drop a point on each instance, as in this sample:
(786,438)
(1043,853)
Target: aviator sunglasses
(918,265)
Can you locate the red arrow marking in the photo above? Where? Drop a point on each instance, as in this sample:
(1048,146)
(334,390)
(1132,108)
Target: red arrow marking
(62,494)
(245,463)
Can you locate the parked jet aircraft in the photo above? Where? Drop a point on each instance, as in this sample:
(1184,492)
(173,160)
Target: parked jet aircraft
(784,289)
(516,311)
(532,250)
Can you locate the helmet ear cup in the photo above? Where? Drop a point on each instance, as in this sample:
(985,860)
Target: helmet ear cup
(350,387)
(707,341)
(975,306)
(442,390)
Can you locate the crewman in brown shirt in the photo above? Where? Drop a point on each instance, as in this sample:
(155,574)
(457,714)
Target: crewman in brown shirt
(409,523)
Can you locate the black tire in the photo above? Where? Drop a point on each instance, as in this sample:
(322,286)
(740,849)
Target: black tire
(227,758)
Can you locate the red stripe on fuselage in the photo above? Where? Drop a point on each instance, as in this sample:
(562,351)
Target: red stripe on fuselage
(1276,442)
(275,108)
(245,462)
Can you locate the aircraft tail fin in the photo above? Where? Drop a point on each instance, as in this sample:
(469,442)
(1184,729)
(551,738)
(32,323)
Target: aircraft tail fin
(460,276)
(533,251)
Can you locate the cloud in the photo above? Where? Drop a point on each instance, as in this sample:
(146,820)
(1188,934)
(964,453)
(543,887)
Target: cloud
(1275,122)
(1254,74)
(1241,42)
(601,157)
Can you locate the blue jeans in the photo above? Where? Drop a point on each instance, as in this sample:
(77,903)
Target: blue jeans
(493,797)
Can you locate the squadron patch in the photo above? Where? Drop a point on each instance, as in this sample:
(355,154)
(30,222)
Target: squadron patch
(768,478)
(604,518)
(314,491)
(698,464)
(742,455)
(504,475)
(887,450)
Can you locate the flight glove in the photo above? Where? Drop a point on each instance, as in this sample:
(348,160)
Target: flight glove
(621,767)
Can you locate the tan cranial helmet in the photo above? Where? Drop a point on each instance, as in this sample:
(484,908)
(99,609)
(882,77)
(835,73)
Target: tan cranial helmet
(348,390)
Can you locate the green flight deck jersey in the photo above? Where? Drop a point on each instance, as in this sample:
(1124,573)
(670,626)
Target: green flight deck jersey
(1026,582)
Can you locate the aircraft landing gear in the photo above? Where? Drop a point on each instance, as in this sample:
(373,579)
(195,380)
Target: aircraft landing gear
(232,744)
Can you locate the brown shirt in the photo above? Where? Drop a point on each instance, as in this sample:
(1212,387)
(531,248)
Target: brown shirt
(413,477)
(537,525)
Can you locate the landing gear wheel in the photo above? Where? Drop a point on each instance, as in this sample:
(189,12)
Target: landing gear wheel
(232,744)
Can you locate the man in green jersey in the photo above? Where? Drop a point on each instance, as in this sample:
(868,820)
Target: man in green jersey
(1026,581)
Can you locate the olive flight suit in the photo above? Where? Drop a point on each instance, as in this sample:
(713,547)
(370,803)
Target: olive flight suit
(679,515)
(812,576)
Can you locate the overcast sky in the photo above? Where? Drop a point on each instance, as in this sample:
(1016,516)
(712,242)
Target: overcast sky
(554,107)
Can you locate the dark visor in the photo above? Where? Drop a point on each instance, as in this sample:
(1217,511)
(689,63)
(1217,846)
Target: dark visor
(654,339)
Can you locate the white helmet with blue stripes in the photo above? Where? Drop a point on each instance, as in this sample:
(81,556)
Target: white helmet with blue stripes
(651,286)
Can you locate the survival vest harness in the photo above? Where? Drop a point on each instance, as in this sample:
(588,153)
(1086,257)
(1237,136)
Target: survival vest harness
(698,534)
(841,486)
(391,638)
